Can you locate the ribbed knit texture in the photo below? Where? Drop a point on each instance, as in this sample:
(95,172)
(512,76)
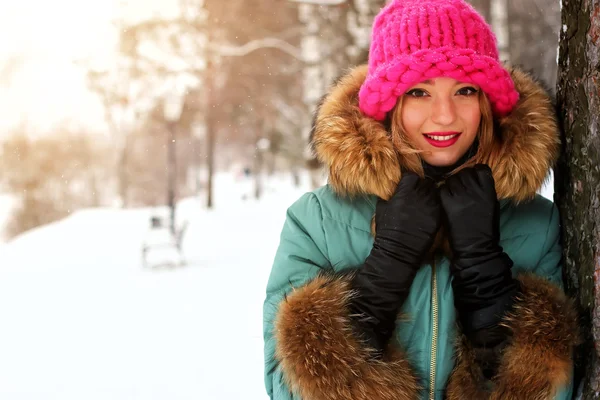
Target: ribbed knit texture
(416,40)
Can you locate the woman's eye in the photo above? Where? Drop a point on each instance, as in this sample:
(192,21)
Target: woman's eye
(416,93)
(467,91)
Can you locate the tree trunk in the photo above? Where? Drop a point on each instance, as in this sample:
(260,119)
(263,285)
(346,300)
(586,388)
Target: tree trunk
(578,176)
(257,172)
(210,157)
(123,173)
(211,127)
(171,174)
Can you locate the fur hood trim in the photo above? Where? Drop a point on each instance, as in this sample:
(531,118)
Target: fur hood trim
(361,158)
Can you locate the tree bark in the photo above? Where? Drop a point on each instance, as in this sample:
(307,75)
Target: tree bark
(577,177)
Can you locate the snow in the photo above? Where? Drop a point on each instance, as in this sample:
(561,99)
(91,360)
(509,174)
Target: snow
(83,319)
(548,189)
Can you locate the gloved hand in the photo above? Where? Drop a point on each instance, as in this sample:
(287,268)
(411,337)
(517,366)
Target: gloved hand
(482,281)
(405,229)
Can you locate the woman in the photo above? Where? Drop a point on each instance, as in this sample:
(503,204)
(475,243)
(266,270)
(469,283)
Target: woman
(427,267)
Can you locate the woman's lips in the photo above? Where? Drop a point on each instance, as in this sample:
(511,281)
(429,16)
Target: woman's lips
(442,139)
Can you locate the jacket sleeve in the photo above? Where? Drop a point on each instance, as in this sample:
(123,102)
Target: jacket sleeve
(311,351)
(537,362)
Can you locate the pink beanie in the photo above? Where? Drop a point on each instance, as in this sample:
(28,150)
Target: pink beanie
(416,40)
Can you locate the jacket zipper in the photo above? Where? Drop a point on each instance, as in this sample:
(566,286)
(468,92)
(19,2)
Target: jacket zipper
(434,336)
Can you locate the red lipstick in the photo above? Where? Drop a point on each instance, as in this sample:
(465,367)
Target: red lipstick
(441,139)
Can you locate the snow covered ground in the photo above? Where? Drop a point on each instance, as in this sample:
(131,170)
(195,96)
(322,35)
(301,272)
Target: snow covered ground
(80,318)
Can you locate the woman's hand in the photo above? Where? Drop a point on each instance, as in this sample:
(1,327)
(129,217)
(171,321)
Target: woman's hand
(405,225)
(405,229)
(483,286)
(472,213)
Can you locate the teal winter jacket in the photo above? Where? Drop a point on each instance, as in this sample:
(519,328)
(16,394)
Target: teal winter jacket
(310,350)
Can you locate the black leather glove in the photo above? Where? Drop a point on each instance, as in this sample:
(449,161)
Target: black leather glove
(483,286)
(405,229)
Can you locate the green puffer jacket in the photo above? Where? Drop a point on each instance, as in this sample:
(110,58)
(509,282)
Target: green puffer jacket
(310,351)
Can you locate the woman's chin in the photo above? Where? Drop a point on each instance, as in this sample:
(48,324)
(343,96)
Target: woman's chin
(439,160)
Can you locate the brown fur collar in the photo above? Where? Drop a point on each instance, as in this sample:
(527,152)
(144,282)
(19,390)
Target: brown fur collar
(362,160)
(538,359)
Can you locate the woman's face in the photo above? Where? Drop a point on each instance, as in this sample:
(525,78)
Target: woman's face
(441,117)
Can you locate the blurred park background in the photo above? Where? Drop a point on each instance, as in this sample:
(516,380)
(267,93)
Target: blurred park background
(148,152)
(130,103)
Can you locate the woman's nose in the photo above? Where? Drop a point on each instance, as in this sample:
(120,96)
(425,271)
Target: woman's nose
(443,111)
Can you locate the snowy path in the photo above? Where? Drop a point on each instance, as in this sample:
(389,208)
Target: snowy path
(80,318)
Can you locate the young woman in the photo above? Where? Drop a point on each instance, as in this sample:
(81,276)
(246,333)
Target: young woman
(428,267)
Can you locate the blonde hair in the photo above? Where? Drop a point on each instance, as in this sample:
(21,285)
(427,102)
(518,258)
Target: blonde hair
(410,157)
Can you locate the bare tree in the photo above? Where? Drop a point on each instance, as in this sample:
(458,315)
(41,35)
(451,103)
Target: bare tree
(51,176)
(123,87)
(235,65)
(113,88)
(577,177)
(336,37)
(533,36)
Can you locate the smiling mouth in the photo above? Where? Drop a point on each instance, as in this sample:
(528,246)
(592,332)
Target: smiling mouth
(442,138)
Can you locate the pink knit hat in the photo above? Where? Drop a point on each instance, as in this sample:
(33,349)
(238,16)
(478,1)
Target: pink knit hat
(416,40)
